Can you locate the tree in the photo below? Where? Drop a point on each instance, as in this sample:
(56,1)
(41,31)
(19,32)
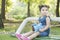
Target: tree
(3,9)
(28,14)
(2,15)
(30,3)
(57,9)
(1,22)
(8,5)
(33,6)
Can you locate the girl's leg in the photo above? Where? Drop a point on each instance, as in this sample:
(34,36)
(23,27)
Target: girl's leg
(30,37)
(28,33)
(24,36)
(34,35)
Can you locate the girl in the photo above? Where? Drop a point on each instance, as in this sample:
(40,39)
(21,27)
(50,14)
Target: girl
(40,29)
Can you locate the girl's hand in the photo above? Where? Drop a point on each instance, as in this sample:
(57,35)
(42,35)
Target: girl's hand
(41,30)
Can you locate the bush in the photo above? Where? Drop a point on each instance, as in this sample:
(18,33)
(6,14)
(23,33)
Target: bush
(19,16)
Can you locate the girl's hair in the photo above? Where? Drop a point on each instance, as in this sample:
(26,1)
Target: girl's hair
(40,6)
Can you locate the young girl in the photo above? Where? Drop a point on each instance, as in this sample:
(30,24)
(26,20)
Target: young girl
(40,29)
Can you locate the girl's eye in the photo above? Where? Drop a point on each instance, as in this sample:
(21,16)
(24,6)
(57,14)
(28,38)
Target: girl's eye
(46,10)
(42,9)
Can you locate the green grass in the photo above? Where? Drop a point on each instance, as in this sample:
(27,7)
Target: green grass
(7,37)
(55,32)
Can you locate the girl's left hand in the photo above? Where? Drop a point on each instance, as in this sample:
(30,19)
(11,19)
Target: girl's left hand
(41,30)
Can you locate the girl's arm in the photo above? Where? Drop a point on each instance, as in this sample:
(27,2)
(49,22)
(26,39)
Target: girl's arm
(47,25)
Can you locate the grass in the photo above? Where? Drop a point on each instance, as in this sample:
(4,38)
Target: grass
(54,34)
(7,37)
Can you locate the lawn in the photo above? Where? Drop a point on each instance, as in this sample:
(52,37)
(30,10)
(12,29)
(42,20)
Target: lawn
(54,33)
(9,37)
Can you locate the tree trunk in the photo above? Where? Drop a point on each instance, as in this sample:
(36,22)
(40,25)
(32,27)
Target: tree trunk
(57,9)
(28,14)
(3,9)
(2,15)
(1,22)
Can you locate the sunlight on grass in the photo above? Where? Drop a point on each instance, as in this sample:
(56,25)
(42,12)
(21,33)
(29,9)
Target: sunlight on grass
(7,37)
(55,32)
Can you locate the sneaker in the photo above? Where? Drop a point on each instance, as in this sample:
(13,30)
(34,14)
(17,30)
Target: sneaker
(19,36)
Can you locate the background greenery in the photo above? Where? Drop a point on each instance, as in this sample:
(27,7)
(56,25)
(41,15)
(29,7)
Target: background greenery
(15,11)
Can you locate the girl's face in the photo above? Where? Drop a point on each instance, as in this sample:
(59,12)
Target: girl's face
(44,11)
